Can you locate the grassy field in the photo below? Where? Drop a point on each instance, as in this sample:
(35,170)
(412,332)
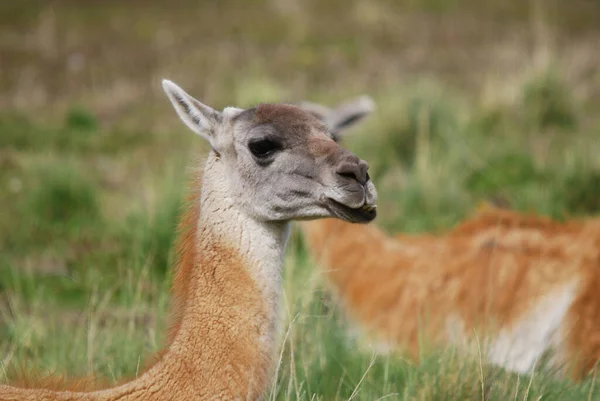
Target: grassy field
(476,101)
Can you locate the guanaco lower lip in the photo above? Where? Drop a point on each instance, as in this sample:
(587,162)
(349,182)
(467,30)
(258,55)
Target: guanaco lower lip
(364,213)
(368,208)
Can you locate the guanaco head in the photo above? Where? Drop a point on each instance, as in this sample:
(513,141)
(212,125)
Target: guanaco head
(280,161)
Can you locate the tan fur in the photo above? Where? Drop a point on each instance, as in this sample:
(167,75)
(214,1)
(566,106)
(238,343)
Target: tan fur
(185,245)
(207,359)
(25,378)
(185,248)
(500,227)
(485,274)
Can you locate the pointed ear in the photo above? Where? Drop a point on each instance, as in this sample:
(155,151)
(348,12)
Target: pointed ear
(343,116)
(347,114)
(200,118)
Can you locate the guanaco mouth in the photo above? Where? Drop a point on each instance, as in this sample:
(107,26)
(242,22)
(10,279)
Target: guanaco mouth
(362,214)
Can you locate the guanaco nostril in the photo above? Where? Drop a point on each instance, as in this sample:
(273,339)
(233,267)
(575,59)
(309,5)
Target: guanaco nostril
(349,175)
(356,172)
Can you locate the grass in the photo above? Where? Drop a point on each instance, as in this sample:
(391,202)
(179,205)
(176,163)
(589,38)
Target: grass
(92,166)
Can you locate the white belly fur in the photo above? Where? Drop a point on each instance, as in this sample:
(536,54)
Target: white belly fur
(538,331)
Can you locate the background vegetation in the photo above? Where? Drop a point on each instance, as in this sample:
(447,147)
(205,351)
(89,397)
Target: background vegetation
(477,101)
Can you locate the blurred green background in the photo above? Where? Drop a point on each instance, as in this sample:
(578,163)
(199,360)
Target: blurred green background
(476,101)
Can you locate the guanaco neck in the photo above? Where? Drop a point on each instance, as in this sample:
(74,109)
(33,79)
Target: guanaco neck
(224,346)
(229,324)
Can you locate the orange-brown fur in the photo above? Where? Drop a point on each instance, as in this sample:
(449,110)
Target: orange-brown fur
(23,377)
(185,248)
(487,273)
(217,358)
(500,227)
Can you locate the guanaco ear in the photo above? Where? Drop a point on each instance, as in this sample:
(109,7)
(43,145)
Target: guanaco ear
(317,110)
(200,118)
(343,116)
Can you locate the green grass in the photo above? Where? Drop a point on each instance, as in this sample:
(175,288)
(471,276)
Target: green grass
(92,167)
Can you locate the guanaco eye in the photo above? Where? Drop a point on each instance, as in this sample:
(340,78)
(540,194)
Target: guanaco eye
(263,148)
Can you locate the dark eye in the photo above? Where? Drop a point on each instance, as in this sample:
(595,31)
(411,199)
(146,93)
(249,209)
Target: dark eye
(263,148)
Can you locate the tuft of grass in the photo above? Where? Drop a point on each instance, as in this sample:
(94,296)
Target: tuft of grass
(62,196)
(17,131)
(409,124)
(80,119)
(508,172)
(20,132)
(548,102)
(150,232)
(582,193)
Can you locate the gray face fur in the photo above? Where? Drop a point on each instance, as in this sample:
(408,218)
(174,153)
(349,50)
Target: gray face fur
(340,118)
(281,162)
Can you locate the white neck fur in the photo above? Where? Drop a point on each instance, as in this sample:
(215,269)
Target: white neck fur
(261,243)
